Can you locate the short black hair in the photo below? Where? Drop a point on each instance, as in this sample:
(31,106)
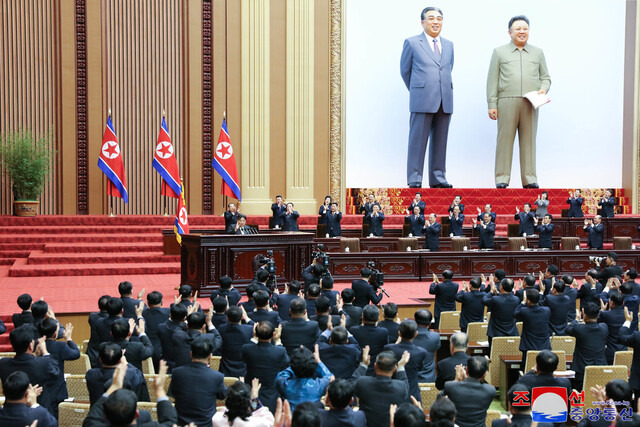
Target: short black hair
(225,282)
(519,18)
(154,298)
(552,269)
(617,298)
(386,361)
(327,282)
(234,314)
(506,285)
(185,291)
(423,317)
(15,386)
(533,296)
(298,306)
(447,274)
(120,329)
(591,309)
(24,301)
(618,391)
(559,286)
(348,295)
(219,304)
(477,366)
(407,329)
(529,280)
(201,348)
(370,314)
(306,415)
(340,393)
(339,335)
(442,412)
(323,305)
(251,289)
(120,407)
(499,274)
(102,302)
(632,273)
(20,338)
(547,361)
(514,397)
(39,309)
(475,282)
(390,310)
(264,330)
(409,415)
(262,275)
(365,272)
(549,215)
(294,287)
(261,298)
(114,306)
(48,327)
(567,279)
(314,290)
(626,288)
(423,15)
(110,354)
(196,320)
(613,256)
(238,402)
(125,288)
(178,312)
(303,363)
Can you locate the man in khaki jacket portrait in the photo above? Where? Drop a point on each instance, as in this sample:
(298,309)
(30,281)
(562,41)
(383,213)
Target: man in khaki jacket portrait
(516,69)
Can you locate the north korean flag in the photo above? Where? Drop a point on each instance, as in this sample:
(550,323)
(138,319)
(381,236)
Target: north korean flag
(164,161)
(224,162)
(111,163)
(181,225)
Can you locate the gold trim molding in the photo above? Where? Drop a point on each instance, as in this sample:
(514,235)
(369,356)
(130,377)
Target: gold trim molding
(336,101)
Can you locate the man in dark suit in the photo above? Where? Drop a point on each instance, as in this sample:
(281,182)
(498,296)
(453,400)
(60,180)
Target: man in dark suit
(575,201)
(457,201)
(613,316)
(456,221)
(430,342)
(118,405)
(376,393)
(277,209)
(471,302)
(390,312)
(571,292)
(220,306)
(535,324)
(59,351)
(242,227)
(529,282)
(129,304)
(595,229)
(526,220)
(226,290)
(154,316)
(137,351)
(549,274)
(375,220)
(611,269)
(264,360)
(631,302)
(446,368)
(339,396)
(98,378)
(197,325)
(290,218)
(545,231)
(590,290)
(326,290)
(425,66)
(41,310)
(502,305)
(631,338)
(324,317)
(103,325)
(313,293)
(93,347)
(34,359)
(333,221)
(407,332)
(559,304)
(20,407)
(369,334)
(417,203)
(445,293)
(354,312)
(19,319)
(470,394)
(178,314)
(367,208)
(415,221)
(487,209)
(486,232)
(234,336)
(200,406)
(591,339)
(364,292)
(339,351)
(292,291)
(520,414)
(432,233)
(629,276)
(262,311)
(230,218)
(299,331)
(542,376)
(607,203)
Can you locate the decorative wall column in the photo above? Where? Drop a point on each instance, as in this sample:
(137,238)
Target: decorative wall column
(336,103)
(300,105)
(255,107)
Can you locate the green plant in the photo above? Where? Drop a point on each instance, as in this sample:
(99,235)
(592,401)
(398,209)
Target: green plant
(27,162)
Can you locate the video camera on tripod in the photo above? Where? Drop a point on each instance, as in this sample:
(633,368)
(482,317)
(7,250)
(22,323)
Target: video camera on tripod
(271,268)
(322,267)
(377,278)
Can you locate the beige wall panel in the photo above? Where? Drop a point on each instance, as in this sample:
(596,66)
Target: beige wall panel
(278,102)
(321,100)
(221,39)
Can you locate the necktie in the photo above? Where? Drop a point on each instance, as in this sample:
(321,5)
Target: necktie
(436,49)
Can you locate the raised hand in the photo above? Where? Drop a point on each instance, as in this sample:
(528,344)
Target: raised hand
(255,388)
(329,323)
(139,308)
(366,359)
(343,320)
(141,294)
(628,316)
(68,330)
(316,353)
(404,360)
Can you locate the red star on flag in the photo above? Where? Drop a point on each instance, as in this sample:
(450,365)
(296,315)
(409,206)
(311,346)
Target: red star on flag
(224,151)
(112,150)
(165,150)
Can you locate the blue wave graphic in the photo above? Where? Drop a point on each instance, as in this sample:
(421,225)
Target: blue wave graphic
(544,417)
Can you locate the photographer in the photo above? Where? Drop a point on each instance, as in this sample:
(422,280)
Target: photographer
(611,268)
(318,268)
(364,291)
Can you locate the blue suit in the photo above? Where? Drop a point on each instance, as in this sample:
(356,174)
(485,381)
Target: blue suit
(416,224)
(421,204)
(480,216)
(428,79)
(289,221)
(575,210)
(432,237)
(607,206)
(455,225)
(333,223)
(486,234)
(545,231)
(375,224)
(535,327)
(526,222)
(596,235)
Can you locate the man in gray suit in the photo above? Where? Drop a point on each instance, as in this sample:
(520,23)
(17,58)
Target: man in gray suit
(425,66)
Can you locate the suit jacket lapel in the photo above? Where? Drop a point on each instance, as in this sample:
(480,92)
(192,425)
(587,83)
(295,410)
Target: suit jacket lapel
(425,45)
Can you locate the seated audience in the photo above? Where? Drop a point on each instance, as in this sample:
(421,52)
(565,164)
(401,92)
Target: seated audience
(446,368)
(535,324)
(249,305)
(234,336)
(390,312)
(227,291)
(407,332)
(305,415)
(299,330)
(502,305)
(306,379)
(220,306)
(21,407)
(243,408)
(338,398)
(41,310)
(313,293)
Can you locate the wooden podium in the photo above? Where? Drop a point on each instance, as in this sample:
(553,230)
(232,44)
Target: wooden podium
(206,258)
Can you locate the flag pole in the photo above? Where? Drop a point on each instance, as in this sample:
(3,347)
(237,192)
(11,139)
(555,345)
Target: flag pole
(164,199)
(225,201)
(109,188)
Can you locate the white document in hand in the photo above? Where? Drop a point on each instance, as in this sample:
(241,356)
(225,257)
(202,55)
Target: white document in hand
(537,99)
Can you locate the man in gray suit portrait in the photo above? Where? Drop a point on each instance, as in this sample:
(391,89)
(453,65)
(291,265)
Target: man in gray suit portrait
(425,66)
